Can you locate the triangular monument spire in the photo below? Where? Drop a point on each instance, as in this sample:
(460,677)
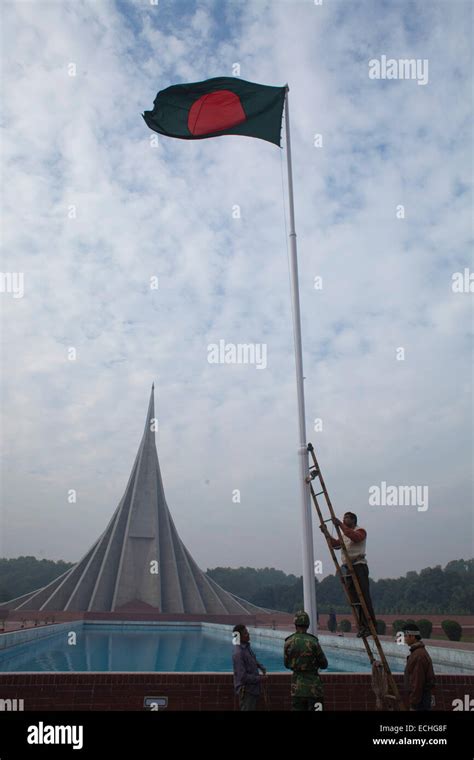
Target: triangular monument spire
(140,560)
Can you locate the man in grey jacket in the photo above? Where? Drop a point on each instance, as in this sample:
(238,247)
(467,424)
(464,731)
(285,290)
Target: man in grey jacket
(246,676)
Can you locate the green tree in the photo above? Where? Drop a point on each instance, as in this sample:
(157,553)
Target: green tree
(381,627)
(5,594)
(426,627)
(452,630)
(26,573)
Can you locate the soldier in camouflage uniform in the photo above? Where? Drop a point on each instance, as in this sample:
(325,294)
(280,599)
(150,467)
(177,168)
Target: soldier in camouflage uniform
(304,656)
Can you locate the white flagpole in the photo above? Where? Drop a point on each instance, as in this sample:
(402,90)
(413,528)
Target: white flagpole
(309,592)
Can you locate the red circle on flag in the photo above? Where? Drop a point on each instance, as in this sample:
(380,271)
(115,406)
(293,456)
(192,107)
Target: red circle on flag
(215,112)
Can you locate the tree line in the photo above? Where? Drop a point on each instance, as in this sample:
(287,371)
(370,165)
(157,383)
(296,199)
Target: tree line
(23,574)
(433,590)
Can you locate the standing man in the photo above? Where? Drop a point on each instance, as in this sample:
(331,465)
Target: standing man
(354,539)
(304,656)
(419,673)
(246,675)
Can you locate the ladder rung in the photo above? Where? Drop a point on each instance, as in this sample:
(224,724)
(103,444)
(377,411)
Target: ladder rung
(319,494)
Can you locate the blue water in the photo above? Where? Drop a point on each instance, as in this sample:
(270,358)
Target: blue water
(139,649)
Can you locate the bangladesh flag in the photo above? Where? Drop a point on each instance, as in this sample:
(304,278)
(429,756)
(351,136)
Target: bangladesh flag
(219,106)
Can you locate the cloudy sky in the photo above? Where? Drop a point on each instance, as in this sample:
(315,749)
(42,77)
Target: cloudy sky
(94,209)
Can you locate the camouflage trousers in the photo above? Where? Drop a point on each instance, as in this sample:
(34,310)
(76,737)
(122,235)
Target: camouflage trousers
(306,692)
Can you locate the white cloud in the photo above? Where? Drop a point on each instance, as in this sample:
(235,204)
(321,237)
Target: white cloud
(142,211)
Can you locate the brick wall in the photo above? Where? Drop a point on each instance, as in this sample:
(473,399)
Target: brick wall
(195,691)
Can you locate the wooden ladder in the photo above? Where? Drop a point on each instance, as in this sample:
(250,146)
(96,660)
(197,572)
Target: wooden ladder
(391,699)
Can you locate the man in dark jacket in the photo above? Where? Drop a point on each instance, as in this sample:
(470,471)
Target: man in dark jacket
(419,673)
(246,676)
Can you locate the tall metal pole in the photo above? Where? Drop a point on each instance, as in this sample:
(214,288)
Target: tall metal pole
(309,592)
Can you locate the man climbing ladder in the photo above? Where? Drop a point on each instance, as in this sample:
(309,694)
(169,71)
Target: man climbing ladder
(353,546)
(353,551)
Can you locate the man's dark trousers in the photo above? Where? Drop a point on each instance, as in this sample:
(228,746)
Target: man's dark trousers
(362,573)
(247,701)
